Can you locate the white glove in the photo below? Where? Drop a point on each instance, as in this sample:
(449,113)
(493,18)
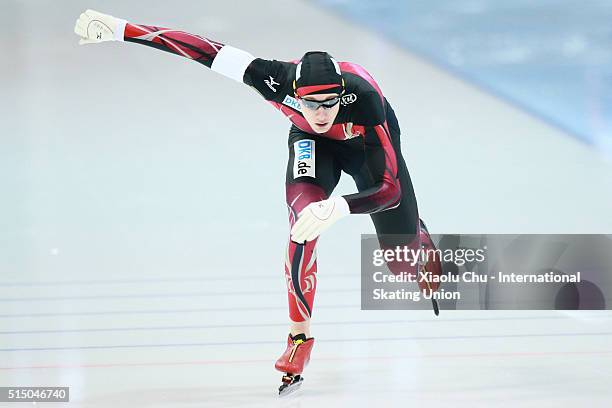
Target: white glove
(95,27)
(317,217)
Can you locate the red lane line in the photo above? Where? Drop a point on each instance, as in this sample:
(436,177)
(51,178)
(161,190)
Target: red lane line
(212,362)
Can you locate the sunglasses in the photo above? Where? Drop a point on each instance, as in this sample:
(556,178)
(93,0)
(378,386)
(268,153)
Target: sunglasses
(314,105)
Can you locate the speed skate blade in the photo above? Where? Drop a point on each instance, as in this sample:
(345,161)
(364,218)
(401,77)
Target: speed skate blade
(287,389)
(436,308)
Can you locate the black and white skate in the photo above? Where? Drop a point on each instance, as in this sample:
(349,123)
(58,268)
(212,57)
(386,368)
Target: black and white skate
(291,383)
(436,308)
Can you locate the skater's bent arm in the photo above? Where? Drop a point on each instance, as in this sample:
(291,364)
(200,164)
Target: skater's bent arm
(386,191)
(380,159)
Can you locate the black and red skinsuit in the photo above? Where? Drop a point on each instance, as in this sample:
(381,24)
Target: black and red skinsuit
(364,142)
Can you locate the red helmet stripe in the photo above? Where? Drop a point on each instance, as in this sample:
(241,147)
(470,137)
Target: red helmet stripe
(305,90)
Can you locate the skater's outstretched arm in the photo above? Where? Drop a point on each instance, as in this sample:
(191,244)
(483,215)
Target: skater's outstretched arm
(94,27)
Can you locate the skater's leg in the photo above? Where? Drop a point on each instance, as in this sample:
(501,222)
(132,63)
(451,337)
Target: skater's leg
(301,260)
(296,328)
(412,225)
(312,174)
(399,226)
(402,227)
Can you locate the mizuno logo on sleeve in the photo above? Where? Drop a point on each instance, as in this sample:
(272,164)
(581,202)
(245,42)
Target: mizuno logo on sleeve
(271,82)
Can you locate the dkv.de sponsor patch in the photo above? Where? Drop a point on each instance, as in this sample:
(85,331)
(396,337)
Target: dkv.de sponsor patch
(304,161)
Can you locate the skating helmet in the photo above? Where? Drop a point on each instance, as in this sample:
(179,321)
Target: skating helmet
(317,73)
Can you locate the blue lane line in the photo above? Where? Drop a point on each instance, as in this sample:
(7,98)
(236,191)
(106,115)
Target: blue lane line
(158,280)
(168,311)
(343,340)
(226,326)
(158,295)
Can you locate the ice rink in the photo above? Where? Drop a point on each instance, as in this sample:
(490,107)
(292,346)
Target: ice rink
(143,224)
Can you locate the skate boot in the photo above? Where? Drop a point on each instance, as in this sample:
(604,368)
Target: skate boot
(292,362)
(432,267)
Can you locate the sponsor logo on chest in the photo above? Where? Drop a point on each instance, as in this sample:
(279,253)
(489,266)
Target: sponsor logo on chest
(304,160)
